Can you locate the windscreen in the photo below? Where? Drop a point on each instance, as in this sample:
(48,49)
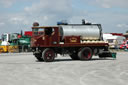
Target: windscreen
(38,31)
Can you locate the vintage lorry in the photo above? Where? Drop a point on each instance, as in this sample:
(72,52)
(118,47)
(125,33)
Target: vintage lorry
(80,41)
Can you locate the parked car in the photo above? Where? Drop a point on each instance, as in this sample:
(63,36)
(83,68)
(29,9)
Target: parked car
(124,45)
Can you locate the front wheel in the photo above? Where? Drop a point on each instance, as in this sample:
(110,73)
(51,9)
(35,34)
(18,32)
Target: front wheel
(85,53)
(48,55)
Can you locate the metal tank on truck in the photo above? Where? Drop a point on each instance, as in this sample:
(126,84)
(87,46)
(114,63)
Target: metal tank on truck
(86,32)
(80,41)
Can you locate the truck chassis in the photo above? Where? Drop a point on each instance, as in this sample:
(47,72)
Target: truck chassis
(48,42)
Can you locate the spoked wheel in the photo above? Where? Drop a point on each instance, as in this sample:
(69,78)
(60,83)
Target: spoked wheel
(48,55)
(74,56)
(85,53)
(39,57)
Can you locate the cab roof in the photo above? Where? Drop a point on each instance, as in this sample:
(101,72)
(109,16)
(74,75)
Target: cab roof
(45,27)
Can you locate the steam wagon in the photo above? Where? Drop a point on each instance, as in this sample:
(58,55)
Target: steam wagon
(80,41)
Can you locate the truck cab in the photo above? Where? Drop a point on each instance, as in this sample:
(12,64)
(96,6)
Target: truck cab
(45,36)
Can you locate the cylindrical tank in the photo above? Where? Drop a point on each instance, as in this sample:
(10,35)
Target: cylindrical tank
(87,32)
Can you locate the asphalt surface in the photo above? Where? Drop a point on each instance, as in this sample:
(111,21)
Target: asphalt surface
(24,69)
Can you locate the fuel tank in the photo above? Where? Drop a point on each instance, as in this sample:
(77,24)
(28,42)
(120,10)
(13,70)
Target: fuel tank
(87,32)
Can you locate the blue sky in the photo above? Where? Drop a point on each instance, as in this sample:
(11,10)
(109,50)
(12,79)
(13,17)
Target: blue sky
(19,15)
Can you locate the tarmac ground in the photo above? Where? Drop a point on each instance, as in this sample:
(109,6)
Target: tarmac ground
(24,69)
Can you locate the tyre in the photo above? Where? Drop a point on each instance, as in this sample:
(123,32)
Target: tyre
(85,53)
(39,57)
(48,55)
(74,56)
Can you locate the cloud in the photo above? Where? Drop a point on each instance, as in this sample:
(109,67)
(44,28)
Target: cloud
(112,3)
(18,20)
(48,6)
(2,23)
(49,12)
(7,3)
(122,25)
(46,12)
(107,3)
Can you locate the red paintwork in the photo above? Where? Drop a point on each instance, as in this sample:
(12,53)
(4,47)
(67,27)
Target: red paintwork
(84,44)
(124,45)
(87,54)
(28,33)
(46,40)
(54,40)
(72,39)
(19,36)
(118,34)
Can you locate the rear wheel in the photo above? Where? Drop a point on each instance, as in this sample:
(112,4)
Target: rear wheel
(39,57)
(85,53)
(48,55)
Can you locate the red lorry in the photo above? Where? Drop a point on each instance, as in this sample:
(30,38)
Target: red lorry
(80,41)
